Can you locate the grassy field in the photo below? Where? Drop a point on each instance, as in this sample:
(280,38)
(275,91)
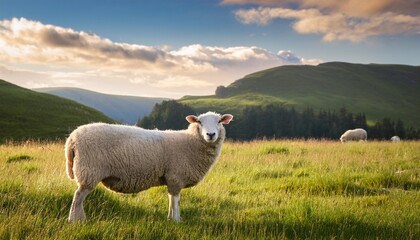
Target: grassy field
(257,190)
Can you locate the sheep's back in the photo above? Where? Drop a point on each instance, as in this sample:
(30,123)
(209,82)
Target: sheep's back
(355,134)
(129,153)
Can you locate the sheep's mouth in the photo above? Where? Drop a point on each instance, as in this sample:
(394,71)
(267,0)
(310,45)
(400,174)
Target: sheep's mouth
(211,140)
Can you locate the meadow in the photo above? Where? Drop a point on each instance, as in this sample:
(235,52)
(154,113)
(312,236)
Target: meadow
(257,190)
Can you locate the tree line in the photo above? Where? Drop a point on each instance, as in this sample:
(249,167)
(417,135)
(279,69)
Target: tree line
(279,121)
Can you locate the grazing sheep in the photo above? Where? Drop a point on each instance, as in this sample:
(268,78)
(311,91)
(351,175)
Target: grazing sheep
(358,134)
(395,139)
(130,159)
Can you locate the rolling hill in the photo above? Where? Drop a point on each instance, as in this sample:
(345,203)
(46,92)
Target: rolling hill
(124,109)
(28,114)
(379,91)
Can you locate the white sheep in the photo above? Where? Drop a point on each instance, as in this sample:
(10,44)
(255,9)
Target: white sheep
(395,139)
(358,134)
(129,159)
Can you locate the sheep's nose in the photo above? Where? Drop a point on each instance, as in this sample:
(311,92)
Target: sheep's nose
(211,135)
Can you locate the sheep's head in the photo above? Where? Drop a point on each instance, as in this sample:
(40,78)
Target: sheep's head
(210,124)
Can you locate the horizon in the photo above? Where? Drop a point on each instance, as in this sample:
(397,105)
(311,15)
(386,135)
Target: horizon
(167,49)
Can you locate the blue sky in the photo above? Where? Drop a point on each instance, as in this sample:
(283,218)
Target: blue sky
(176,48)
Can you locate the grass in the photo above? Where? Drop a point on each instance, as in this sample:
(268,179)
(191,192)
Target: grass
(28,114)
(18,157)
(257,190)
(233,105)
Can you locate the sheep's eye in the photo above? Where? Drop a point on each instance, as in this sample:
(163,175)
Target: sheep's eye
(198,122)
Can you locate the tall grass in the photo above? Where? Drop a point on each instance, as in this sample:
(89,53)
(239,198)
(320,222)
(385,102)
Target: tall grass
(257,190)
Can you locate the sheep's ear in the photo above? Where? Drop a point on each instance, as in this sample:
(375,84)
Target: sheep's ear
(191,119)
(226,119)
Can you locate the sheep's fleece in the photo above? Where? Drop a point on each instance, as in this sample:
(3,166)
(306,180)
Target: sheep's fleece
(395,139)
(358,134)
(130,159)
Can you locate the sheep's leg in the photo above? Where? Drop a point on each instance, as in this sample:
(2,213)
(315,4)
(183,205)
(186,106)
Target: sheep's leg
(77,213)
(174,207)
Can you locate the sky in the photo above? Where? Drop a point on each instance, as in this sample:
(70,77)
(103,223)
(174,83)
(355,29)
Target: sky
(168,48)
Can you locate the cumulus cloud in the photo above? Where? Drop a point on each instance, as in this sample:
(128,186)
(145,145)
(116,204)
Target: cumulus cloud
(264,15)
(219,56)
(337,20)
(68,58)
(289,56)
(225,57)
(348,7)
(22,39)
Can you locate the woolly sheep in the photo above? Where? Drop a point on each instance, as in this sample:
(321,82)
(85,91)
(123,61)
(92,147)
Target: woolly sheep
(358,134)
(395,139)
(129,159)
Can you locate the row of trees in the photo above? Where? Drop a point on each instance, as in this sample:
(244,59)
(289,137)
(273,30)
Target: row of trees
(279,121)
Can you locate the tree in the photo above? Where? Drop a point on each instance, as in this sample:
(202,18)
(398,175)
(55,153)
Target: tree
(167,115)
(360,121)
(399,129)
(221,92)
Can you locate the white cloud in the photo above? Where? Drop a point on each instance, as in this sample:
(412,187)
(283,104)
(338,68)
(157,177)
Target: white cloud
(352,8)
(335,25)
(289,56)
(76,58)
(264,15)
(351,20)
(216,54)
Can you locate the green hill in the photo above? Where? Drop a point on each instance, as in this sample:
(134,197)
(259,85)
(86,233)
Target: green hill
(125,109)
(27,114)
(379,91)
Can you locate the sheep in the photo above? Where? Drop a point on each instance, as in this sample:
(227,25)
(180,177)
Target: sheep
(395,139)
(358,134)
(129,159)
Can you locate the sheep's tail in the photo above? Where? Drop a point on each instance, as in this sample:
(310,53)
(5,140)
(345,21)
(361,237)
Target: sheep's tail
(69,153)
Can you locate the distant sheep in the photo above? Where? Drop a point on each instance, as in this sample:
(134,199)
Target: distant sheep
(130,159)
(358,134)
(395,139)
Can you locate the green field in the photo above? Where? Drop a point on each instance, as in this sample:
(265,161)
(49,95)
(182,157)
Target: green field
(257,190)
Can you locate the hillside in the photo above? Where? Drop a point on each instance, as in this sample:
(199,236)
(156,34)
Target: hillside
(125,109)
(379,91)
(28,114)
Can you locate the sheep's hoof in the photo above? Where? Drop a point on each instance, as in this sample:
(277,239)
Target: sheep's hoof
(74,220)
(175,220)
